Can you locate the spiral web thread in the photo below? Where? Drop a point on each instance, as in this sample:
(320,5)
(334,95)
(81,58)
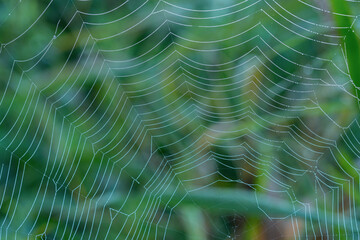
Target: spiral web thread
(120,113)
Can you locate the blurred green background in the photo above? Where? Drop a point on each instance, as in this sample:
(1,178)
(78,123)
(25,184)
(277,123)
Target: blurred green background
(204,119)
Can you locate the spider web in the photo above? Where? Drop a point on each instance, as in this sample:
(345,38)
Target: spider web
(120,119)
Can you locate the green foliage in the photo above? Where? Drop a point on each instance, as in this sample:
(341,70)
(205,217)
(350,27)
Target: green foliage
(151,120)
